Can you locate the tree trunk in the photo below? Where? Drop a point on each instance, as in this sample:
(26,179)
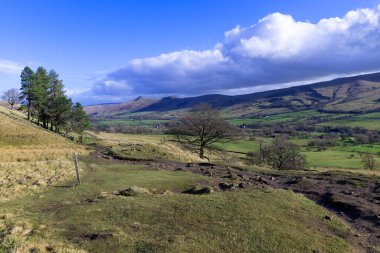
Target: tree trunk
(201,152)
(11,107)
(29,113)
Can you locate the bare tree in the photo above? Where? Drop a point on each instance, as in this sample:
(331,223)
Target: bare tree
(201,127)
(257,157)
(12,97)
(368,161)
(281,154)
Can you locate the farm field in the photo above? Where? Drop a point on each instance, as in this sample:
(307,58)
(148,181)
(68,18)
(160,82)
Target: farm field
(270,119)
(129,122)
(369,121)
(335,157)
(340,156)
(282,117)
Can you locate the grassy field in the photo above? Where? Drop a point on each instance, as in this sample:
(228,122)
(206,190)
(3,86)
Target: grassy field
(164,147)
(291,118)
(369,121)
(153,146)
(128,122)
(260,220)
(42,211)
(336,157)
(30,157)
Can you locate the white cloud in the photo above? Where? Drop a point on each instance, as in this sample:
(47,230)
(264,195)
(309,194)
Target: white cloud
(277,49)
(9,67)
(111,86)
(77,91)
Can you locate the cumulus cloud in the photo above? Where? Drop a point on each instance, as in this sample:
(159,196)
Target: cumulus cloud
(277,49)
(77,92)
(9,67)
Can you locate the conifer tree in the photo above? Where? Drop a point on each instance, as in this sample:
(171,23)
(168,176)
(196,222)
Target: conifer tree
(41,93)
(27,90)
(59,106)
(44,95)
(79,119)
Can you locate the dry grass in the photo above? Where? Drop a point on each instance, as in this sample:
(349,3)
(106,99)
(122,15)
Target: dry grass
(16,131)
(147,146)
(157,146)
(31,158)
(18,233)
(37,153)
(20,178)
(375,173)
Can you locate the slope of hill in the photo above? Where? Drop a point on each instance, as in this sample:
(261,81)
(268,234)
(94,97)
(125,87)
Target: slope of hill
(94,215)
(31,158)
(354,94)
(117,109)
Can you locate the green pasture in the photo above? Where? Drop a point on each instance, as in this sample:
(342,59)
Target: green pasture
(280,118)
(369,121)
(128,122)
(243,221)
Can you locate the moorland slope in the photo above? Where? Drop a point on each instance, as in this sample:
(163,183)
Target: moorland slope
(355,94)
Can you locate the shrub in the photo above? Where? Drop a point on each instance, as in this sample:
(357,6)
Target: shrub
(281,154)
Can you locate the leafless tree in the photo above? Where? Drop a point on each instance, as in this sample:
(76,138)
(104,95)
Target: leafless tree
(200,127)
(368,161)
(12,97)
(257,157)
(281,154)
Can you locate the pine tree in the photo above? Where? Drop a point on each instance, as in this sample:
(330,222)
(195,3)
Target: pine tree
(27,89)
(79,121)
(41,92)
(44,95)
(59,105)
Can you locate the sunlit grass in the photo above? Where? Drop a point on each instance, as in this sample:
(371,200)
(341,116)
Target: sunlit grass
(31,158)
(243,221)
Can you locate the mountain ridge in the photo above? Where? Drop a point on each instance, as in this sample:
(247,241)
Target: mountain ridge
(351,94)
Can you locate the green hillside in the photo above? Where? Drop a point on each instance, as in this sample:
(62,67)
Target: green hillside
(42,211)
(336,102)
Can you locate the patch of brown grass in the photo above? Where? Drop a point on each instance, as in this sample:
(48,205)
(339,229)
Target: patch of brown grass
(158,146)
(17,237)
(31,158)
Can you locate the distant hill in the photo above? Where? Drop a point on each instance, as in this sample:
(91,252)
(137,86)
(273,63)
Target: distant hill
(351,95)
(115,109)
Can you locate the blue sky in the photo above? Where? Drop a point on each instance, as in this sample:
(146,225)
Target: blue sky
(107,51)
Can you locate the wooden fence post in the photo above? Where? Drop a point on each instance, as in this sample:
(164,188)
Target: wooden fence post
(75,158)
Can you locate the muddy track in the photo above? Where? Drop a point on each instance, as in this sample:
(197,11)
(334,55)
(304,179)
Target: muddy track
(354,197)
